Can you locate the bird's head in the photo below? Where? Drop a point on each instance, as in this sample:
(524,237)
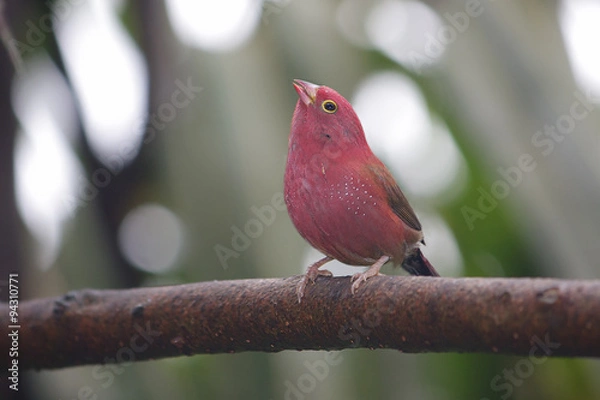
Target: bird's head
(323,118)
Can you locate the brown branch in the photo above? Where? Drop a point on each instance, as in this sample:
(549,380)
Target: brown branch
(531,317)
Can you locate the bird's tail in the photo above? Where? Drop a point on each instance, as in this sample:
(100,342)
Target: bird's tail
(417,264)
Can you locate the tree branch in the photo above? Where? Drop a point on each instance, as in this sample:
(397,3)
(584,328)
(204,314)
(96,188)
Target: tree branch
(530,317)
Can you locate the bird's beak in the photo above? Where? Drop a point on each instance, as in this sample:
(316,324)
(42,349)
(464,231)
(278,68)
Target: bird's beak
(306,90)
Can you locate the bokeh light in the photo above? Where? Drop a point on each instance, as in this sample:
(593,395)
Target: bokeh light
(422,154)
(46,169)
(579,22)
(406,31)
(214,25)
(109,76)
(151,237)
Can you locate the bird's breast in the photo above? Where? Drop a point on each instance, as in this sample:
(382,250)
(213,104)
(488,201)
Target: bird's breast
(354,196)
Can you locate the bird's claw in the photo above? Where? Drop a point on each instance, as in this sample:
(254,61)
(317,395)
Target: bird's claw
(356,280)
(373,270)
(311,275)
(359,278)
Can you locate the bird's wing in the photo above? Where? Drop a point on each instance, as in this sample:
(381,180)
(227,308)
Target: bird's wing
(395,197)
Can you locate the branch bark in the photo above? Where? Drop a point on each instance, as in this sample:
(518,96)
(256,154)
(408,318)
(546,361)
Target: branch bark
(529,317)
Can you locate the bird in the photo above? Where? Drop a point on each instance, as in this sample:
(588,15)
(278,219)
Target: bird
(340,197)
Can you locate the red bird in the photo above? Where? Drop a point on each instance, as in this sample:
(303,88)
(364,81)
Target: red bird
(340,196)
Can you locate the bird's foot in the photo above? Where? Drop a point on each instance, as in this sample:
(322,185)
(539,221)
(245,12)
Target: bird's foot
(373,270)
(311,275)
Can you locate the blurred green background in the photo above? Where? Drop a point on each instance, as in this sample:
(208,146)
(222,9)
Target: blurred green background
(139,136)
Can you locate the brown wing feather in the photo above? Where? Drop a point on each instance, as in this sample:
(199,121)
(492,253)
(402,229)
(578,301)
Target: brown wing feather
(395,197)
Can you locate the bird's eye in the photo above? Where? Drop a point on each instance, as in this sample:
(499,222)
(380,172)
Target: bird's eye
(329,106)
